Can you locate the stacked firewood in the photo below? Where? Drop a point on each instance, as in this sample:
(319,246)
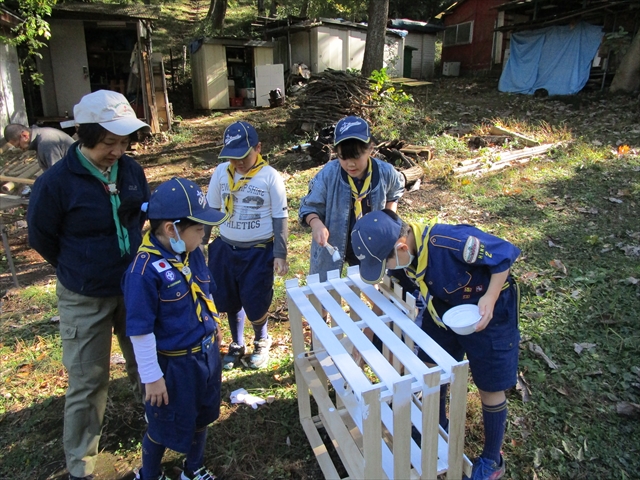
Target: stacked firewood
(329,96)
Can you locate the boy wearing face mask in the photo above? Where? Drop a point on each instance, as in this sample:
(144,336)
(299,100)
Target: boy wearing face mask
(173,324)
(455,265)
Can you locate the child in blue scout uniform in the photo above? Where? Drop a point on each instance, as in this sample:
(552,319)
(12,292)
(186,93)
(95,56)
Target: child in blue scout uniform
(456,265)
(253,240)
(345,190)
(173,325)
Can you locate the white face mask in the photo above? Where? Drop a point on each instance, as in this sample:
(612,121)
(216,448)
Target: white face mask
(178,246)
(398,265)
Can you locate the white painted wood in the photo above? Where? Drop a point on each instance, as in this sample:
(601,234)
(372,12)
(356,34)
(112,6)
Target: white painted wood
(371,421)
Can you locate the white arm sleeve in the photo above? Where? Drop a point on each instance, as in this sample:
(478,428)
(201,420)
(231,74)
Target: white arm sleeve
(144,347)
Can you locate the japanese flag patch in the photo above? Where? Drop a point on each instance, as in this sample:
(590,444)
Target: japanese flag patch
(161,265)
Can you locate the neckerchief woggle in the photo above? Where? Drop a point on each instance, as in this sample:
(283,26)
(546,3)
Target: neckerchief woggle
(358,196)
(114,197)
(235,186)
(196,292)
(421,235)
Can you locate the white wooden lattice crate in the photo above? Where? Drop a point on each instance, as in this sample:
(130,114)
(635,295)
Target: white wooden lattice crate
(376,405)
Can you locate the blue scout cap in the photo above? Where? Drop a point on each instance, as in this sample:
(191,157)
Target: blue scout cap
(352,127)
(239,138)
(181,198)
(372,239)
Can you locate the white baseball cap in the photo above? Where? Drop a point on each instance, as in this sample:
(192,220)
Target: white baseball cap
(110,109)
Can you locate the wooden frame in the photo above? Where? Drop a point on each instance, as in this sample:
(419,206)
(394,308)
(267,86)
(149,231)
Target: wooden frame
(379,395)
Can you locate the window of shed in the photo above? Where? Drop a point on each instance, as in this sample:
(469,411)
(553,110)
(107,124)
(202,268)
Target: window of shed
(458,34)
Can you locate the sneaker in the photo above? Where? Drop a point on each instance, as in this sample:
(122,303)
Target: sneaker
(201,474)
(138,475)
(233,356)
(485,469)
(260,356)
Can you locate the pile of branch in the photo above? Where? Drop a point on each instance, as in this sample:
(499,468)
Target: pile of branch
(329,96)
(480,165)
(405,158)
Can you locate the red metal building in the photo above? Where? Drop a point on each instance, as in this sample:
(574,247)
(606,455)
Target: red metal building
(470,37)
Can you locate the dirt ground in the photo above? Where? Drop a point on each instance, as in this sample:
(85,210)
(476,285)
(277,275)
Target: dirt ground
(455,104)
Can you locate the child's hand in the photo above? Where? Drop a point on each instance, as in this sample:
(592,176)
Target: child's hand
(280,266)
(319,232)
(156,393)
(486,304)
(219,335)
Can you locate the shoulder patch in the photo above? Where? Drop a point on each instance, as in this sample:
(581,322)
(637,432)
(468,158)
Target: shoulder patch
(471,249)
(140,262)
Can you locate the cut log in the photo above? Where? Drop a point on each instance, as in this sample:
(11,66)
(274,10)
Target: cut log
(529,142)
(24,181)
(411,175)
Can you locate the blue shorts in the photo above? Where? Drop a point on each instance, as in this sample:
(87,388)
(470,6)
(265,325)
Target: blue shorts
(193,384)
(492,352)
(243,277)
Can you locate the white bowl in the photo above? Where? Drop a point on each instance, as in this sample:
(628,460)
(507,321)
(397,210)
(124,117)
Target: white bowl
(462,319)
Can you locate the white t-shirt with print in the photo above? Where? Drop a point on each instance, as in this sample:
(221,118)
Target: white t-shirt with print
(254,204)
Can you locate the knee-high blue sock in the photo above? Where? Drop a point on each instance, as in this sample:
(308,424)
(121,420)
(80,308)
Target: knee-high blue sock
(195,456)
(236,325)
(495,422)
(443,420)
(152,453)
(260,329)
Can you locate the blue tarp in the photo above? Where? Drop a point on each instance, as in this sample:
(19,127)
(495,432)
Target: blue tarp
(557,59)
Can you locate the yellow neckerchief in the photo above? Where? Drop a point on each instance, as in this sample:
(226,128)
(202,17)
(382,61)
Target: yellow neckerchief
(234,187)
(421,235)
(148,246)
(361,195)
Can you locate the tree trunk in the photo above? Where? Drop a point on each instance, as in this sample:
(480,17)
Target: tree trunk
(304,9)
(627,78)
(218,11)
(273,11)
(374,45)
(261,8)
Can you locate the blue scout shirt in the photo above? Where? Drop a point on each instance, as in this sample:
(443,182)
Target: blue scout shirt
(461,261)
(158,299)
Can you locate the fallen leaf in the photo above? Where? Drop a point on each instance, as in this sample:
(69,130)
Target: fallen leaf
(590,210)
(538,351)
(597,143)
(525,277)
(623,149)
(576,294)
(628,409)
(630,281)
(558,265)
(561,391)
(522,385)
(579,347)
(553,245)
(615,200)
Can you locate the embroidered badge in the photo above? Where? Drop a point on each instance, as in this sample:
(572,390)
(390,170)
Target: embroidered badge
(471,249)
(467,289)
(169,275)
(161,265)
(465,297)
(186,270)
(479,288)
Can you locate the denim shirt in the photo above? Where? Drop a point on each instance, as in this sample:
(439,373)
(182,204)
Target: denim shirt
(330,198)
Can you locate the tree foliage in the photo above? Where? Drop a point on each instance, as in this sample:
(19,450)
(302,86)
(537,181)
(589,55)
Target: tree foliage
(34,30)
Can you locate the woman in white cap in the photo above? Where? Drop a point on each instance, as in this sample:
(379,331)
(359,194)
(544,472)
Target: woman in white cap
(84,218)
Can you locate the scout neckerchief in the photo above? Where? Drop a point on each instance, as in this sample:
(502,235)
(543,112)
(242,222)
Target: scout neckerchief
(421,235)
(358,196)
(196,292)
(235,186)
(109,180)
